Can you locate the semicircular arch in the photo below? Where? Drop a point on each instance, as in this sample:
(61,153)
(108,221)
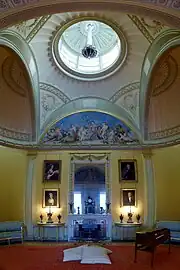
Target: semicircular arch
(160,72)
(17,46)
(90,104)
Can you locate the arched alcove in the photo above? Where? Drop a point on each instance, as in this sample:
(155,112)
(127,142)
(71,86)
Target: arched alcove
(17,114)
(162,102)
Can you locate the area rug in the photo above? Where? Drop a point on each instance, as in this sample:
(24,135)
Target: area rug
(50,258)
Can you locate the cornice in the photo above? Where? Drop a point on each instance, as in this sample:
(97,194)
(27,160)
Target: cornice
(15,135)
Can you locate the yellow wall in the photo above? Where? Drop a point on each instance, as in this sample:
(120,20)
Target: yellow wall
(12,183)
(13,167)
(64,156)
(167,175)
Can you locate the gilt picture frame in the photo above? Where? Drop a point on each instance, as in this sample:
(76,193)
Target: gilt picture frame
(51,197)
(128,197)
(52,170)
(128,170)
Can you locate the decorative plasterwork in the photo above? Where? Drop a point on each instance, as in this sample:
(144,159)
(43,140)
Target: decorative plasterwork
(165,74)
(15,135)
(89,129)
(128,98)
(163,41)
(102,88)
(53,48)
(14,76)
(89,159)
(149,28)
(51,98)
(28,29)
(14,41)
(165,133)
(15,123)
(28,9)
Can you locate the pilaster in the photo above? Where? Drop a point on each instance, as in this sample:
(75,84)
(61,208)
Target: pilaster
(30,194)
(150,196)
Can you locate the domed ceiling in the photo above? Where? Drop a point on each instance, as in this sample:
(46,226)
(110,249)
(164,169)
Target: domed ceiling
(67,95)
(88,49)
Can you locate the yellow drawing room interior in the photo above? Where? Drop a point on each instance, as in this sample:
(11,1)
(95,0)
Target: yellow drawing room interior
(89,120)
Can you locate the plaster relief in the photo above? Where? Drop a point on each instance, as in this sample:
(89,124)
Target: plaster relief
(16,103)
(89,129)
(51,99)
(162,107)
(128,98)
(14,76)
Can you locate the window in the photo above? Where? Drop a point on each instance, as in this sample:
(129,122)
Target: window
(103,200)
(77,202)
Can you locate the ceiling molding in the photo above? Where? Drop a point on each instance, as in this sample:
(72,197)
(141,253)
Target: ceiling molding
(170,132)
(54,90)
(125,89)
(137,21)
(13,11)
(149,30)
(37,27)
(50,99)
(15,135)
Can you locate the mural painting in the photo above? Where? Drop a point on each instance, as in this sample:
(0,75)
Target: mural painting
(89,128)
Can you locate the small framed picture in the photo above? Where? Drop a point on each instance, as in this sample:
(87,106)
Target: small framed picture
(127,170)
(51,197)
(128,197)
(51,170)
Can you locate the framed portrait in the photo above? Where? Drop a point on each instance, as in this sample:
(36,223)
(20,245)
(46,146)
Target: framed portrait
(51,197)
(128,197)
(52,170)
(128,170)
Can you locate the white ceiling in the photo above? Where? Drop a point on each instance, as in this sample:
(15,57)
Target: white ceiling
(122,88)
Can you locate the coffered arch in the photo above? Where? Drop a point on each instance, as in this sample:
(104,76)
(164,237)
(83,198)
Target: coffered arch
(19,82)
(160,90)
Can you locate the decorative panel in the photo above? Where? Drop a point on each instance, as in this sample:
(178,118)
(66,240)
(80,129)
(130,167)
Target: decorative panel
(89,129)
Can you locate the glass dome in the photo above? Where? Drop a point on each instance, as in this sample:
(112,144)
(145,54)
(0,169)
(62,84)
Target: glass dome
(93,36)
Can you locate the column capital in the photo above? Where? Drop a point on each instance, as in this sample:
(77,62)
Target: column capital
(32,154)
(147,153)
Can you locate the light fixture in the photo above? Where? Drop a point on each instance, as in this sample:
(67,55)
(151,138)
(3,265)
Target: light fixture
(130,215)
(49,215)
(89,51)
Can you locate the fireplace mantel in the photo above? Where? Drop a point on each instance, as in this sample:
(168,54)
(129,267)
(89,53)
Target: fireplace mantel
(105,219)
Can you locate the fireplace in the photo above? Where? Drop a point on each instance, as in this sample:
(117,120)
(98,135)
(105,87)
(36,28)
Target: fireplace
(89,227)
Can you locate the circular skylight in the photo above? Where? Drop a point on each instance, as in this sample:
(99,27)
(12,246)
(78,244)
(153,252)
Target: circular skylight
(89,49)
